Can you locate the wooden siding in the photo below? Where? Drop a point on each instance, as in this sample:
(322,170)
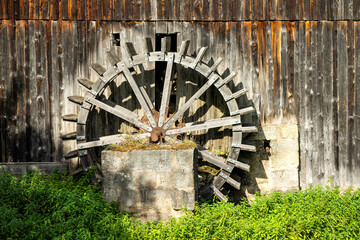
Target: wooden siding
(305,72)
(299,60)
(188,10)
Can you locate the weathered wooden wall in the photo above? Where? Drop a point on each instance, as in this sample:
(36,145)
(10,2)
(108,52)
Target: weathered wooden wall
(179,10)
(304,72)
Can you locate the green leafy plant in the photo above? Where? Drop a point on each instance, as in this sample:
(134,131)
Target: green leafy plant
(36,206)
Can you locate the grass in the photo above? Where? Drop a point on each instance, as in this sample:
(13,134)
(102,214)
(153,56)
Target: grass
(36,206)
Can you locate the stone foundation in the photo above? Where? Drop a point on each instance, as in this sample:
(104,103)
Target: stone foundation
(274,168)
(151,184)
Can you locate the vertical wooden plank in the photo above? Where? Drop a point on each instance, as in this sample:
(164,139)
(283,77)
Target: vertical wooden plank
(160,9)
(55,84)
(4,84)
(319,111)
(64,6)
(351,100)
(259,9)
(276,50)
(147,9)
(263,78)
(44,9)
(356,9)
(119,9)
(270,113)
(214,10)
(137,10)
(188,10)
(290,92)
(308,124)
(35,9)
(327,72)
(254,74)
(12,96)
(343,105)
(349,10)
(68,36)
(356,157)
(241,10)
(248,10)
(106,8)
(335,102)
(283,70)
(72,9)
(307,15)
(22,8)
(81,9)
(338,9)
(20,85)
(223,10)
(40,106)
(301,97)
(205,9)
(128,11)
(3,73)
(197,10)
(47,68)
(54,9)
(94,14)
(281,9)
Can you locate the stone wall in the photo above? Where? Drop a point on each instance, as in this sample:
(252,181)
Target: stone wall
(152,184)
(275,167)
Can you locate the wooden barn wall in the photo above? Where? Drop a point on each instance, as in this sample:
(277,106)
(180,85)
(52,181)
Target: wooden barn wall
(187,10)
(305,71)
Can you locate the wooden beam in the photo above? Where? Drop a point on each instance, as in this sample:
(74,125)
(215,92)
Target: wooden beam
(76,99)
(138,94)
(112,57)
(230,180)
(214,67)
(187,105)
(205,125)
(111,139)
(69,136)
(85,83)
(243,111)
(211,158)
(167,90)
(70,117)
(199,57)
(119,111)
(245,147)
(219,194)
(236,94)
(98,68)
(240,165)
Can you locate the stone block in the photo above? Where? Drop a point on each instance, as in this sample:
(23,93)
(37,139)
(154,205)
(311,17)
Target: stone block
(285,180)
(152,184)
(285,159)
(288,131)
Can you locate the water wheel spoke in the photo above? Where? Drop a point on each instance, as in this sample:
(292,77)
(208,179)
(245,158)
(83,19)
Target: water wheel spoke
(205,125)
(188,104)
(167,90)
(119,111)
(111,139)
(139,94)
(213,159)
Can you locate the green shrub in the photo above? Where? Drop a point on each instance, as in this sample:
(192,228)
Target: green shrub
(37,206)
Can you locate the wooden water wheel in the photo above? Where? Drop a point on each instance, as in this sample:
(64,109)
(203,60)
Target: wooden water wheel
(158,124)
